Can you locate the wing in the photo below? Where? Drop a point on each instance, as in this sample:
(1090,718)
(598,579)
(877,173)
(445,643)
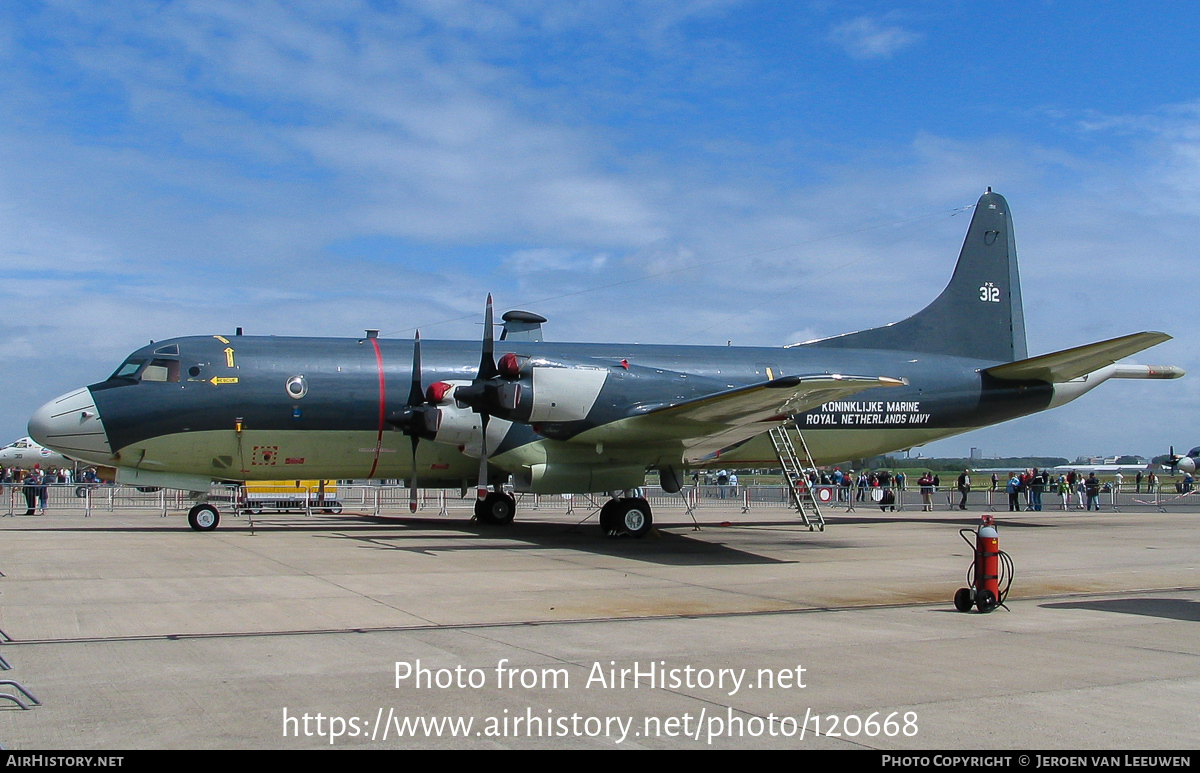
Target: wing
(707,424)
(1060,367)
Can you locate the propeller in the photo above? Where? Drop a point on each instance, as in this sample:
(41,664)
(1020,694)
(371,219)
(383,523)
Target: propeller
(489,392)
(487,372)
(419,418)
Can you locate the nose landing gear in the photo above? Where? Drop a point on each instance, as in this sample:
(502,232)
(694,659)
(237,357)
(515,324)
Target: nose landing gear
(204,517)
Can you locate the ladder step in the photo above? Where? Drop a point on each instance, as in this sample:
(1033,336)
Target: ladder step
(800,487)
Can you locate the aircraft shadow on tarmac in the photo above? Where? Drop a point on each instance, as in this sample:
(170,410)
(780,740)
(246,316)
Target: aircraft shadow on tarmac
(1171,609)
(967,519)
(670,548)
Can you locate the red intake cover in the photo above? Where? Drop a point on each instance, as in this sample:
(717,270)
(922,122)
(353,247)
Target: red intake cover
(437,391)
(509,366)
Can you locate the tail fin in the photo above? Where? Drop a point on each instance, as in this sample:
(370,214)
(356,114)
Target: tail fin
(979,314)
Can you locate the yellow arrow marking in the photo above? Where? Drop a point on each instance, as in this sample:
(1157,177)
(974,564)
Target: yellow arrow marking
(222,339)
(229,356)
(224,380)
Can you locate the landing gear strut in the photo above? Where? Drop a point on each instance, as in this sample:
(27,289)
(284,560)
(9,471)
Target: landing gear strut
(496,509)
(628,516)
(204,517)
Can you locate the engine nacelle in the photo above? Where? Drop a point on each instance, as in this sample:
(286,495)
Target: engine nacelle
(544,394)
(577,478)
(459,425)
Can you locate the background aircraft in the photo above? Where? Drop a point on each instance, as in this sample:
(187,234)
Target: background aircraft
(25,453)
(561,417)
(1186,463)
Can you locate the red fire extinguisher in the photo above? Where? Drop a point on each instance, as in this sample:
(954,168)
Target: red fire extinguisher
(991,568)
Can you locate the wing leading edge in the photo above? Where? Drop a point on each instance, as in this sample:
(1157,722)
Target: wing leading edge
(705,425)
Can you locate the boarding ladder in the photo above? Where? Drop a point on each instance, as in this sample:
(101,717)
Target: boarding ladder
(794,477)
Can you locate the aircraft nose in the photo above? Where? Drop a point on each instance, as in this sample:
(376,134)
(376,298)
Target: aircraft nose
(71,425)
(1187,464)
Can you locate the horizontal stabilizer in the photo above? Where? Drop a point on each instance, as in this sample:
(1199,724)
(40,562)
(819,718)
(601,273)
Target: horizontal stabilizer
(1060,367)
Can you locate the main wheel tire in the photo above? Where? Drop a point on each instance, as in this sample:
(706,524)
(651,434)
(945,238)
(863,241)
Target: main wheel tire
(496,509)
(610,522)
(963,600)
(203,517)
(634,517)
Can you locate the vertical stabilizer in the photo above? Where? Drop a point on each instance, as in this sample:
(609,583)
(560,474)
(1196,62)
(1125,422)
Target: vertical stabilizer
(979,314)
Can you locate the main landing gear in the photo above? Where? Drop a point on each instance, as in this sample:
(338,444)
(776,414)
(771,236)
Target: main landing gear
(496,509)
(626,516)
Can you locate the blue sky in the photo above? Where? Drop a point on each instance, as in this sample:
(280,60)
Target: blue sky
(767,172)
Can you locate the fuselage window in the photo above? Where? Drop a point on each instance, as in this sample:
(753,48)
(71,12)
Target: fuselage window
(162,370)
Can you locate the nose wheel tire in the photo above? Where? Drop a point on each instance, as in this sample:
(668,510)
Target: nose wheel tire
(203,517)
(496,509)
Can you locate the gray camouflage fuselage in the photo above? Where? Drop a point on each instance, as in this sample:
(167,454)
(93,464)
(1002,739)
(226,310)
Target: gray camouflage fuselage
(266,408)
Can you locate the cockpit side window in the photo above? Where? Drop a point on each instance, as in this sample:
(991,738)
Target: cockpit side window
(161,370)
(157,370)
(128,369)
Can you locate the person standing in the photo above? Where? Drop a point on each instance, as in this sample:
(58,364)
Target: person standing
(926,484)
(1037,485)
(964,488)
(29,489)
(1137,482)
(43,489)
(1013,489)
(1092,488)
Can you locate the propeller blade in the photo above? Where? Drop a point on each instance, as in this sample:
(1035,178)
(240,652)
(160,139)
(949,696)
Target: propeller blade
(416,418)
(412,482)
(487,362)
(416,395)
(481,490)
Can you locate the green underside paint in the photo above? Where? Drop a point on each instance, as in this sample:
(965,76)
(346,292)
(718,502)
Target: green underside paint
(284,455)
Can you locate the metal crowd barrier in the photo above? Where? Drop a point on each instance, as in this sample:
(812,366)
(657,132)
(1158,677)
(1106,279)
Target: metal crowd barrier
(88,499)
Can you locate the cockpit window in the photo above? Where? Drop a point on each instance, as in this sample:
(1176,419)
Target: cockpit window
(128,369)
(161,370)
(158,370)
(168,349)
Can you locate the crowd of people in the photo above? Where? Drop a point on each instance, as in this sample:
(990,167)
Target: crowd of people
(1026,489)
(35,484)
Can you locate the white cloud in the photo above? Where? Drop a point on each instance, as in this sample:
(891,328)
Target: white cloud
(870,38)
